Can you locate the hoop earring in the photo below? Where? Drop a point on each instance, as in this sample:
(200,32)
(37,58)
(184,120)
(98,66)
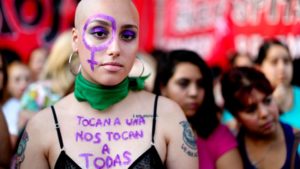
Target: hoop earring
(70,63)
(143,69)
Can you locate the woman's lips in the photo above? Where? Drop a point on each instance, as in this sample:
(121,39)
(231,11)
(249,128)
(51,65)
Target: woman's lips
(192,106)
(267,125)
(112,66)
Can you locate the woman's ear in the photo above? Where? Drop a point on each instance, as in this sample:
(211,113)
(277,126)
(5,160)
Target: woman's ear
(75,39)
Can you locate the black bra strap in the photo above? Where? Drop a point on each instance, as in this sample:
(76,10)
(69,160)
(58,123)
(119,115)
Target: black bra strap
(57,128)
(154,118)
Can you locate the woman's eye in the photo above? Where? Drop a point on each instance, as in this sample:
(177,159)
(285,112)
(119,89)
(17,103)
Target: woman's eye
(267,101)
(128,35)
(183,83)
(99,32)
(251,109)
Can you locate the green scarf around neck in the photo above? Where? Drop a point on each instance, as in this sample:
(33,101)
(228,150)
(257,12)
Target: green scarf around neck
(102,97)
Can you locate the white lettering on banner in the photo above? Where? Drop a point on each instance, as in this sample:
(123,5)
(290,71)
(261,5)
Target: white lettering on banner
(201,15)
(254,12)
(250,44)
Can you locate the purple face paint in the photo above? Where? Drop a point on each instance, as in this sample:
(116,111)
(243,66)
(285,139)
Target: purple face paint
(94,48)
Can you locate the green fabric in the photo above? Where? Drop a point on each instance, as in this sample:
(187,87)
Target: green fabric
(102,97)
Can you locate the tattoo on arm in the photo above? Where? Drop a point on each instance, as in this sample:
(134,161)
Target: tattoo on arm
(20,156)
(189,146)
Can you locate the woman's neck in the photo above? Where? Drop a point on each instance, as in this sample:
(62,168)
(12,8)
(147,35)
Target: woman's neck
(283,96)
(261,149)
(259,140)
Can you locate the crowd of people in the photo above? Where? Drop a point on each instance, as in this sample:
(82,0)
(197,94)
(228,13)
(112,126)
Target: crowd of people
(94,101)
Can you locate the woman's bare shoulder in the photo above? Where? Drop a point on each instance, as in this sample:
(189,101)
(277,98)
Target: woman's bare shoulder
(44,119)
(169,107)
(41,120)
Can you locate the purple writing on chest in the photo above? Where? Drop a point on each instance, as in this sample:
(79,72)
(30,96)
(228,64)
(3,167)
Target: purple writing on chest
(95,138)
(125,135)
(97,122)
(137,121)
(105,122)
(106,160)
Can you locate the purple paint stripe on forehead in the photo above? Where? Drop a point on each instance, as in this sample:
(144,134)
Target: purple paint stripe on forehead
(105,44)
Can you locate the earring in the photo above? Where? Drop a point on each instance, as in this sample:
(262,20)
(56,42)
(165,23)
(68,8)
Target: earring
(143,69)
(71,65)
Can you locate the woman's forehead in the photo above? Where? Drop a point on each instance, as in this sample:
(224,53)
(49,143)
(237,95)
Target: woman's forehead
(254,96)
(123,11)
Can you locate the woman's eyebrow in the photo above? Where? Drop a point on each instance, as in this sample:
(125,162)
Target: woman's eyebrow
(130,26)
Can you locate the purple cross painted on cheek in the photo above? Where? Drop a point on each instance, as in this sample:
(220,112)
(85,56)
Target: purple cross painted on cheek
(92,61)
(95,48)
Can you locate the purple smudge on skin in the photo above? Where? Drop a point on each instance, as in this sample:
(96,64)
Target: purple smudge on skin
(104,45)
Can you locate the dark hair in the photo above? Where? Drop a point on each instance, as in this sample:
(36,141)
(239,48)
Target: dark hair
(238,83)
(264,48)
(205,119)
(4,71)
(296,70)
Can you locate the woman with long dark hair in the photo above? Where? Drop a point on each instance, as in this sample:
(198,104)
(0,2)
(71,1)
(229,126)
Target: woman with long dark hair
(184,77)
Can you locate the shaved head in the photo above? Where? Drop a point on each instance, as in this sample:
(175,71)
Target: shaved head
(86,8)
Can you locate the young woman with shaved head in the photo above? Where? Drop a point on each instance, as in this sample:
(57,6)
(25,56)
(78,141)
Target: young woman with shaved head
(109,121)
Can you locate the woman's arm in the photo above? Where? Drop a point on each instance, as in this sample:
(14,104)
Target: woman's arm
(31,150)
(182,149)
(5,146)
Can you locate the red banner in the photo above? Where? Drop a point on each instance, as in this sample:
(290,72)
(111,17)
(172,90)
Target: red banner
(28,24)
(214,28)
(147,19)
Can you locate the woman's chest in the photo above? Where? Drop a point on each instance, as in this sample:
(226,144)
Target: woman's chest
(111,142)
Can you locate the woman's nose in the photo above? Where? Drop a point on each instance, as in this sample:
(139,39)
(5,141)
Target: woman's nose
(263,110)
(193,90)
(114,48)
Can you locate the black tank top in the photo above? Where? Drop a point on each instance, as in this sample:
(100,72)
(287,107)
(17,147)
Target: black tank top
(148,160)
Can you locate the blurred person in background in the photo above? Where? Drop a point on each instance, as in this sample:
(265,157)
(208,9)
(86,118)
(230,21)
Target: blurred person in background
(18,80)
(275,61)
(264,142)
(236,59)
(239,59)
(185,78)
(296,72)
(37,61)
(55,80)
(5,142)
